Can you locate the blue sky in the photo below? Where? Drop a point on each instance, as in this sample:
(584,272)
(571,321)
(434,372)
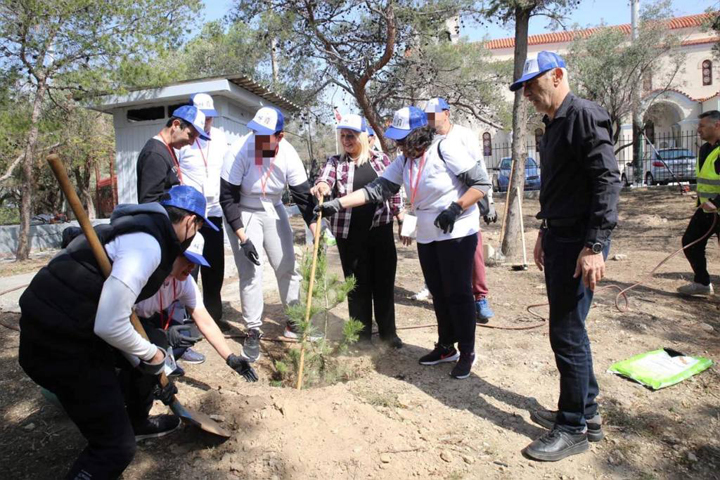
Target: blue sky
(589,13)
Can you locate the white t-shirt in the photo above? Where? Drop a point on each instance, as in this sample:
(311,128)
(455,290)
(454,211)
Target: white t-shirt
(239,168)
(437,188)
(135,257)
(184,294)
(201,164)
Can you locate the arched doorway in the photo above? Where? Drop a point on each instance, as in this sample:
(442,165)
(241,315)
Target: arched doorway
(662,121)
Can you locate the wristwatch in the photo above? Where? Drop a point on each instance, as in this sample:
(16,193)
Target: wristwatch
(596,247)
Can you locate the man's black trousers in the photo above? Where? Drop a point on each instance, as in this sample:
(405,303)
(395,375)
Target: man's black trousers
(213,276)
(699,225)
(103,403)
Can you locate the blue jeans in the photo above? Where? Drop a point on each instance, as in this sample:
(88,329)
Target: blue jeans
(570,302)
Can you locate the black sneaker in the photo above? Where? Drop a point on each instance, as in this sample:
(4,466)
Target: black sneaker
(556,445)
(546,418)
(441,354)
(394,342)
(156,426)
(464,366)
(251,346)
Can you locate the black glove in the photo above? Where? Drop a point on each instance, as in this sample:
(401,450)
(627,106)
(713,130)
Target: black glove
(328,208)
(446,220)
(249,250)
(151,369)
(491,216)
(183,336)
(242,366)
(165,394)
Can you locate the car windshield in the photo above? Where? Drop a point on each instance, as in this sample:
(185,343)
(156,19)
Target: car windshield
(506,163)
(676,153)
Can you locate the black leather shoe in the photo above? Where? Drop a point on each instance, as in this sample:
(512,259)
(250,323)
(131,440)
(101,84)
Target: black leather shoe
(556,445)
(546,418)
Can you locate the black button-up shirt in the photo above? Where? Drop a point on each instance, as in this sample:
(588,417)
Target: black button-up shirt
(580,179)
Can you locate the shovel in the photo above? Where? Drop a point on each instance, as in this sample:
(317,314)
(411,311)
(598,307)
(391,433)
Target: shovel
(188,416)
(524,265)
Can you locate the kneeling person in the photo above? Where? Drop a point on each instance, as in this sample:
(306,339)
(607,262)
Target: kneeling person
(75,329)
(181,290)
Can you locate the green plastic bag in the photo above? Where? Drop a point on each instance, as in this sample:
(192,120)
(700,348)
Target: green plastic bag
(660,368)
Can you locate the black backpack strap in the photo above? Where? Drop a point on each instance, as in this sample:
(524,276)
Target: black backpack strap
(440,151)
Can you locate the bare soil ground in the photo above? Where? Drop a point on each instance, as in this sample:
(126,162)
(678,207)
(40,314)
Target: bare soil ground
(397,419)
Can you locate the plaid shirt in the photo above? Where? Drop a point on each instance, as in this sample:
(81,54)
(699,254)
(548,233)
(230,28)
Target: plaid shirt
(339,174)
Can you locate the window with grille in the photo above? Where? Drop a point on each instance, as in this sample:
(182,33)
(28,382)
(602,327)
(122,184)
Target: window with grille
(487,144)
(707,72)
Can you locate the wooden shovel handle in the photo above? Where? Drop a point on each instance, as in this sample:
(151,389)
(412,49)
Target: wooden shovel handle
(98,251)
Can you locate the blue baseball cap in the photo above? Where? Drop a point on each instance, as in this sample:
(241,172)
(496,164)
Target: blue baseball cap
(436,105)
(194,251)
(188,198)
(267,121)
(405,121)
(195,117)
(537,66)
(204,102)
(353,122)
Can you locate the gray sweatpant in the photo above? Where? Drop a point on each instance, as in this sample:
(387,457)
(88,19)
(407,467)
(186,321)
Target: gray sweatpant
(275,238)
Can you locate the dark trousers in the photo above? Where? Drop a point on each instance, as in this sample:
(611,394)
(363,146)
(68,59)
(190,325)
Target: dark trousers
(699,225)
(102,403)
(447,267)
(372,259)
(213,276)
(570,302)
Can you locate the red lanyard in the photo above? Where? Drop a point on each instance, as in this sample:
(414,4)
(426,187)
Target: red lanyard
(172,154)
(259,165)
(165,322)
(204,157)
(413,190)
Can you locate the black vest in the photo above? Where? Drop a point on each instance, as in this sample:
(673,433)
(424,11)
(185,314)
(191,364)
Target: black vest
(58,308)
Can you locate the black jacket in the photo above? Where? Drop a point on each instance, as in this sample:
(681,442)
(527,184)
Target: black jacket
(59,306)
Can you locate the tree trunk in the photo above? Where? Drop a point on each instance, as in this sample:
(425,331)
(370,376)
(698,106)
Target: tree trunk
(369,113)
(23,250)
(519,147)
(82,179)
(273,60)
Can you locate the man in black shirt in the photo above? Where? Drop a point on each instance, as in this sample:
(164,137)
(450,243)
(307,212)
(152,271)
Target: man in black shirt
(157,166)
(578,205)
(708,189)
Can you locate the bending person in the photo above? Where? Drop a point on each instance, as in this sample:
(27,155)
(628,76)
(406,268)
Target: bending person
(180,289)
(74,323)
(364,234)
(444,184)
(257,169)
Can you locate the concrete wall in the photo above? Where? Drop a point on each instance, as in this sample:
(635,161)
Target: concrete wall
(42,237)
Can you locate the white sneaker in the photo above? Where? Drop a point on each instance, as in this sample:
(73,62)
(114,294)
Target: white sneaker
(423,294)
(695,288)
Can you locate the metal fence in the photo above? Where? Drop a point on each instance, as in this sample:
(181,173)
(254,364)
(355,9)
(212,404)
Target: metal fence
(668,157)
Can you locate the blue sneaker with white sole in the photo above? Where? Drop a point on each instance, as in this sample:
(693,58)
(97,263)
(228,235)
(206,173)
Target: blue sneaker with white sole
(192,357)
(483,310)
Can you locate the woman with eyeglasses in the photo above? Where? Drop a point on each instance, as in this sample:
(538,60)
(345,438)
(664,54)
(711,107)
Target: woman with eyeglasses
(444,184)
(364,234)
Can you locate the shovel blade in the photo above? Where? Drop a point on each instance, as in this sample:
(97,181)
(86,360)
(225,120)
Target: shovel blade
(198,419)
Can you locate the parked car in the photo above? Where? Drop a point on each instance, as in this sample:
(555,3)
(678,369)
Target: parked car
(532,175)
(664,166)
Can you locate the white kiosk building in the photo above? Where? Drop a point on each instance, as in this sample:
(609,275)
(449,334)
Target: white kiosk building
(139,114)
